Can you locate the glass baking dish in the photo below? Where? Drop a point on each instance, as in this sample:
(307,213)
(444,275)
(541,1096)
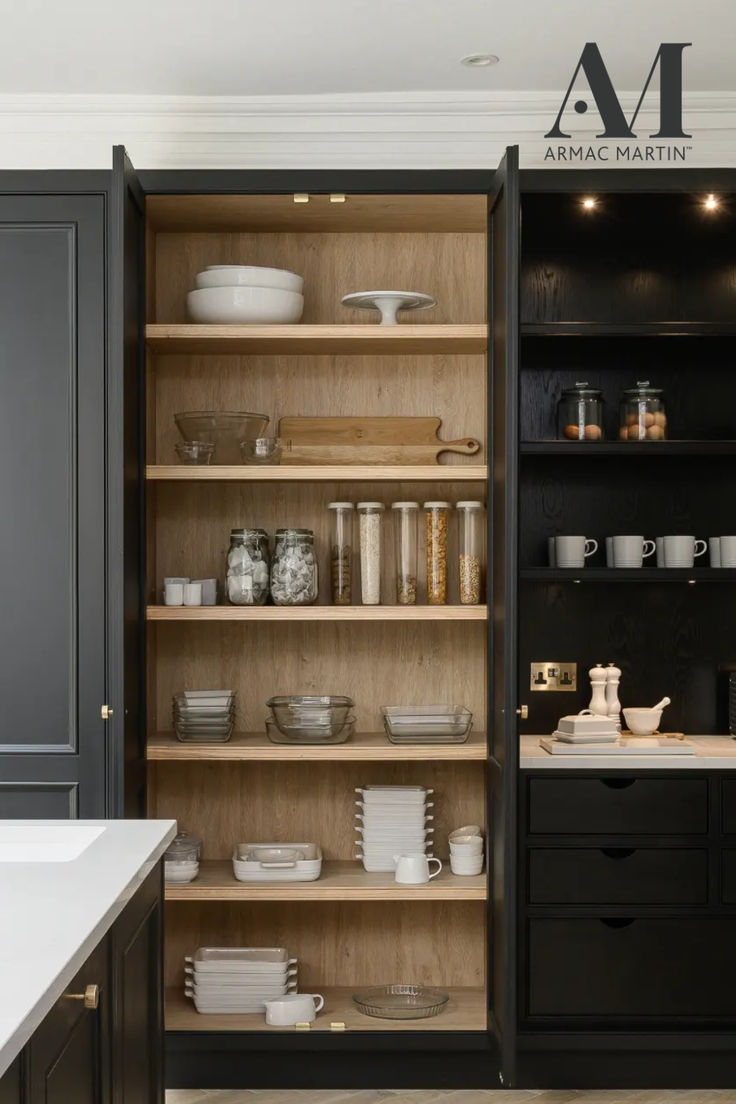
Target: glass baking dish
(427,724)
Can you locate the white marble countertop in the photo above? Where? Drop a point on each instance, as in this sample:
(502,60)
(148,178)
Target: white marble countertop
(712,753)
(53,915)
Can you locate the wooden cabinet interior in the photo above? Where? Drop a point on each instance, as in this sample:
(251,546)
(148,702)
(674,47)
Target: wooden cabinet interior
(434,936)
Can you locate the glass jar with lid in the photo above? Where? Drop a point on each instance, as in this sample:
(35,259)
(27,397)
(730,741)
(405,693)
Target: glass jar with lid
(247,576)
(294,580)
(643,416)
(470,551)
(341,552)
(436,517)
(405,547)
(370,524)
(580,413)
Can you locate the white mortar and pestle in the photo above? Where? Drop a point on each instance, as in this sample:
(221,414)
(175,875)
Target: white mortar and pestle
(643,722)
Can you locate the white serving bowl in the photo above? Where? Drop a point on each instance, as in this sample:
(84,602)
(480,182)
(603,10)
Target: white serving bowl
(254,305)
(643,722)
(467,830)
(249,276)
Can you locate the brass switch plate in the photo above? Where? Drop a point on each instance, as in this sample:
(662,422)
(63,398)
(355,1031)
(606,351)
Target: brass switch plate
(553,675)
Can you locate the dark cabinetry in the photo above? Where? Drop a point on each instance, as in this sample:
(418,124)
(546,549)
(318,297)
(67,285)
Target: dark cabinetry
(102,1041)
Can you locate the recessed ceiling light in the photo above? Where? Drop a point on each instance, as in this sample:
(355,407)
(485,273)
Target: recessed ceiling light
(711,202)
(479,61)
(589,203)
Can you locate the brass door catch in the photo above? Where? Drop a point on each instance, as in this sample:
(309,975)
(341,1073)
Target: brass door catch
(523,712)
(106,712)
(90,997)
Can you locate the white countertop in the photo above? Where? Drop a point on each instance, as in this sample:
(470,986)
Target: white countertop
(53,915)
(712,753)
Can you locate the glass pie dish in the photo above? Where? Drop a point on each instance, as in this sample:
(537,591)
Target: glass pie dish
(400,1002)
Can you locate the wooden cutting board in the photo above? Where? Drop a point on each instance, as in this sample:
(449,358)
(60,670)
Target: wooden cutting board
(367,441)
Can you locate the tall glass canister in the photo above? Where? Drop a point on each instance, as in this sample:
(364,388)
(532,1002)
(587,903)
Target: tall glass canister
(370,516)
(436,518)
(470,551)
(405,546)
(341,552)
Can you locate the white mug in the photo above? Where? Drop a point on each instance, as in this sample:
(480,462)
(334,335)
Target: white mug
(573,551)
(681,551)
(173,594)
(293,1008)
(630,551)
(192,594)
(413,868)
(715,551)
(728,551)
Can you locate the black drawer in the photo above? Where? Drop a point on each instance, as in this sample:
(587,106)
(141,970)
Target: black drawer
(617,876)
(728,877)
(728,812)
(616,806)
(648,967)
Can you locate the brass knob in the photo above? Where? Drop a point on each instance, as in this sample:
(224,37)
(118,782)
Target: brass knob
(90,996)
(523,712)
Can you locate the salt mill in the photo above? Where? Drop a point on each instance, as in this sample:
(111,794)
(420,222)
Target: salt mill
(613,678)
(598,680)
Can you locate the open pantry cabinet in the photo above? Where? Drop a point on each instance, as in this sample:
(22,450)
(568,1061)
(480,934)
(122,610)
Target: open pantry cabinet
(440,233)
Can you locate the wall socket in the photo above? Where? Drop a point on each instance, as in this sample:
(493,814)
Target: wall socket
(553,675)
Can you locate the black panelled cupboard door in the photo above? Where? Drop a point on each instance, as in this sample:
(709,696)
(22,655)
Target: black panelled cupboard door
(52,499)
(503,740)
(126,491)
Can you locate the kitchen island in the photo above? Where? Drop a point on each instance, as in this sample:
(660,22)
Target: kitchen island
(79,940)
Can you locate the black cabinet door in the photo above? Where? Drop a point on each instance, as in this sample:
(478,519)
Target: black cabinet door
(503,418)
(138,1030)
(12,1087)
(52,496)
(68,1056)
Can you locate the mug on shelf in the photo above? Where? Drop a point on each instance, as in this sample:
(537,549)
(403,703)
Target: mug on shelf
(714,545)
(413,868)
(293,1008)
(573,551)
(681,551)
(728,551)
(631,551)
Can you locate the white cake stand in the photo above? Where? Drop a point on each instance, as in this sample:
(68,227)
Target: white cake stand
(389,303)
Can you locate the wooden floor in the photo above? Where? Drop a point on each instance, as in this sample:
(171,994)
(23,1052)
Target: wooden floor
(465,1096)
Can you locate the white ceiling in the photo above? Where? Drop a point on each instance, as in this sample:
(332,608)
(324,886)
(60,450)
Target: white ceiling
(308,47)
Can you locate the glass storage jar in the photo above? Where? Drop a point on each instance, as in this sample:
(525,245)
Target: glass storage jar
(405,546)
(294,580)
(643,415)
(370,518)
(470,551)
(246,582)
(580,414)
(341,552)
(436,515)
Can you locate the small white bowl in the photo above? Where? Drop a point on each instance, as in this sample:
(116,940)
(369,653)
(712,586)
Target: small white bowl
(249,276)
(467,830)
(466,868)
(643,722)
(236,305)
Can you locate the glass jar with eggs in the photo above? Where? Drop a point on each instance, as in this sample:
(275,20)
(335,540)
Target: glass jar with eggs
(580,414)
(643,416)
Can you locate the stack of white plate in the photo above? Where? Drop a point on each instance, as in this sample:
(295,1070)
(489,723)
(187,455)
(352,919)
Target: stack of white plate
(392,820)
(238,980)
(246,293)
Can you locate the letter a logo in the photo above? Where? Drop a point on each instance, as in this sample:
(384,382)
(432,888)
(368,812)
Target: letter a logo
(669,59)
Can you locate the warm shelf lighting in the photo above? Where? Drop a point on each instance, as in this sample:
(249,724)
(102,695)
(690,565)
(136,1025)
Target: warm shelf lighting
(301,197)
(711,202)
(337,197)
(589,203)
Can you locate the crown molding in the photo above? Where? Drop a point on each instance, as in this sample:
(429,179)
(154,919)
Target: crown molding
(381,130)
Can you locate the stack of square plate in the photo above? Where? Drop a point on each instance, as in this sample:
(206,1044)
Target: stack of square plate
(238,980)
(204,715)
(392,820)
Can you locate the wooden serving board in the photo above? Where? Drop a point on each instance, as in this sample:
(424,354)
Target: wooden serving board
(367,441)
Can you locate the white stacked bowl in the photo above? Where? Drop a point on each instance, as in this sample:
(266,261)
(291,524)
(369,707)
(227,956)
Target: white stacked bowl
(246,294)
(466,852)
(392,820)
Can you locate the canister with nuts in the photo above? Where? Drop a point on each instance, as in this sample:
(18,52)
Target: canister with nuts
(580,413)
(643,415)
(436,515)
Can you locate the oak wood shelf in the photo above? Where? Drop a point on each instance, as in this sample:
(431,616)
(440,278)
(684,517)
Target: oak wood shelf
(339,881)
(302,340)
(632,448)
(628,329)
(365,747)
(466,1010)
(319,473)
(317,613)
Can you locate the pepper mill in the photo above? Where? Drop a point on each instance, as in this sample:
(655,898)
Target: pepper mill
(613,678)
(598,678)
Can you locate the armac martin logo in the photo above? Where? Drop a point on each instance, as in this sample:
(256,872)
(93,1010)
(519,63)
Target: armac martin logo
(627,145)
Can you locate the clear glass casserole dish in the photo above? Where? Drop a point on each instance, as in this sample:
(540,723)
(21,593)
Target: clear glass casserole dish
(428,724)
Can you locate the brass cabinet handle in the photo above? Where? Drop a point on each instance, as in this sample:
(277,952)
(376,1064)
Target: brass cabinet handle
(90,996)
(523,712)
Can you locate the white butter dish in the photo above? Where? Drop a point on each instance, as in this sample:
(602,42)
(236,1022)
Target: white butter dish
(580,724)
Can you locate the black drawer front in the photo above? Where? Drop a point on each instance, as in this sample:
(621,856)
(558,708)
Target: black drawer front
(728,877)
(728,814)
(647,967)
(616,806)
(617,876)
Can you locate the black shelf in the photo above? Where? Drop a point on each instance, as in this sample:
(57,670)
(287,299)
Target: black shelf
(628,575)
(625,448)
(628,329)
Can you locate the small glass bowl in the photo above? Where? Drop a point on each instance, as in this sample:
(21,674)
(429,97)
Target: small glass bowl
(194,452)
(261,450)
